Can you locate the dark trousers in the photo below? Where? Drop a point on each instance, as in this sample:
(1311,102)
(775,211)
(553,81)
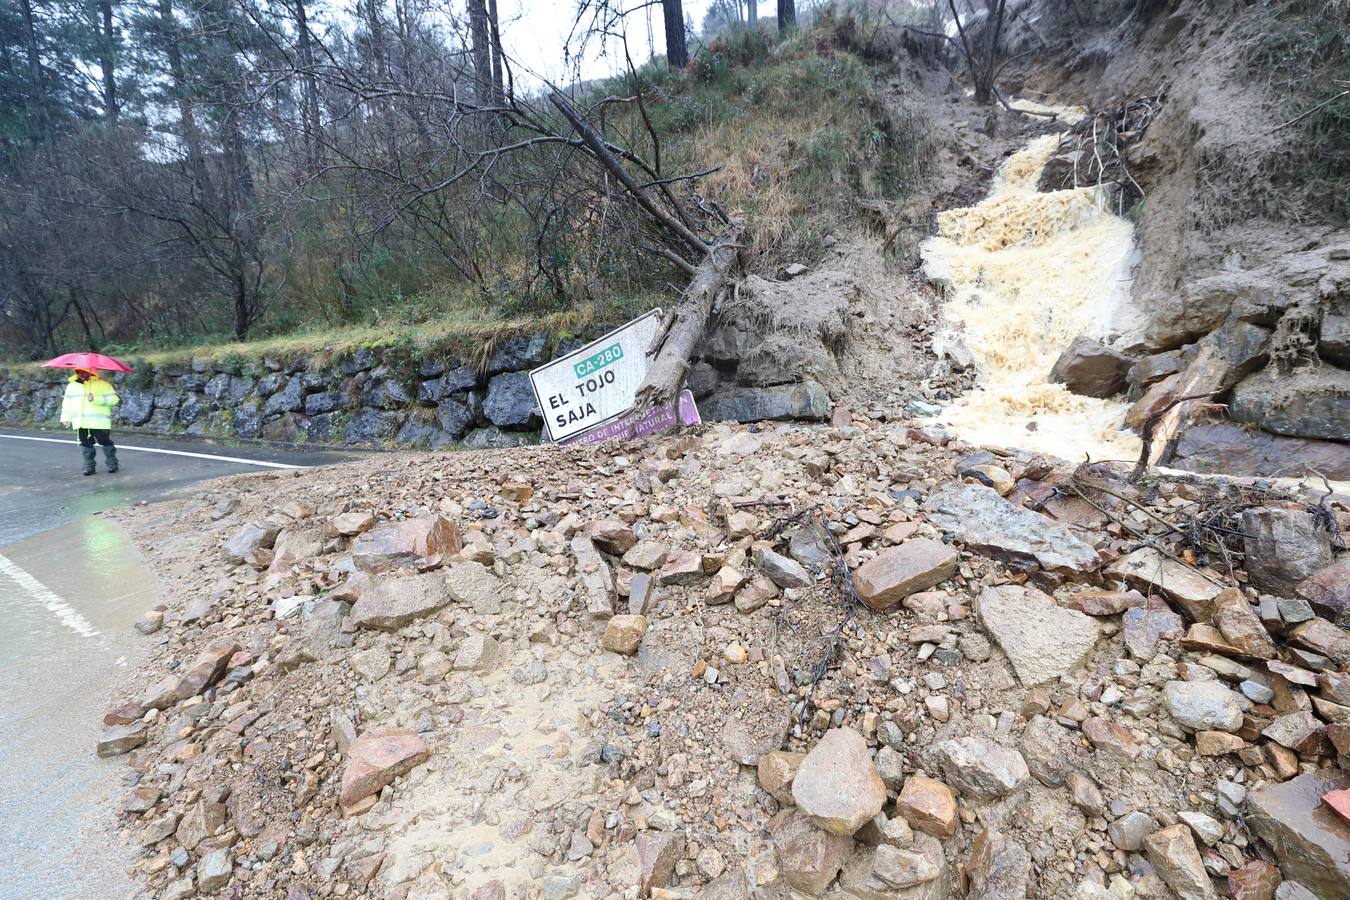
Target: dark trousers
(102,435)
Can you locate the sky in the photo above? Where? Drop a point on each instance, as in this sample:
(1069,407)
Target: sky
(534,33)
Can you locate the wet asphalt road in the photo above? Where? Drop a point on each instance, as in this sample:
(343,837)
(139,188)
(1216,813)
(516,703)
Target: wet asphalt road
(71,585)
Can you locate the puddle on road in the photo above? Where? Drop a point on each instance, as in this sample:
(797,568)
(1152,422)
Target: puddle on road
(63,649)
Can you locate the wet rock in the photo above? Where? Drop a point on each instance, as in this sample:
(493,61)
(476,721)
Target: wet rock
(1323,638)
(1328,590)
(120,739)
(611,536)
(152,621)
(807,400)
(999,867)
(1128,831)
(1283,547)
(808,857)
(295,545)
(475,586)
(214,870)
(375,759)
(371,426)
(510,400)
(657,854)
(1089,368)
(1241,626)
(1149,571)
(776,771)
(1310,842)
(422,542)
(394,602)
(860,878)
(837,784)
(1293,730)
(1042,640)
(1173,853)
(1309,402)
(203,819)
(1203,705)
(990,525)
(979,768)
(1085,795)
(896,572)
(1207,828)
(1232,449)
(349,524)
(755,732)
(623,634)
(206,668)
(597,580)
(1110,737)
(246,540)
(1106,603)
(928,805)
(781,570)
(904,868)
(1144,628)
(1256,880)
(1048,751)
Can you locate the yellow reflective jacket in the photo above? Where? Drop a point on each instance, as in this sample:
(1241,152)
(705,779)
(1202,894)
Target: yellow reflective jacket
(88,404)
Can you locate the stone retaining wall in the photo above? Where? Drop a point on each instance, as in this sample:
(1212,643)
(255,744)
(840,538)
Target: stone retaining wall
(371,396)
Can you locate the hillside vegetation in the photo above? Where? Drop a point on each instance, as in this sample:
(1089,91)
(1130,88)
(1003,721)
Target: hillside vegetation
(332,253)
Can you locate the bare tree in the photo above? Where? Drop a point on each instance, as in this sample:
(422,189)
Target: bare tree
(983,49)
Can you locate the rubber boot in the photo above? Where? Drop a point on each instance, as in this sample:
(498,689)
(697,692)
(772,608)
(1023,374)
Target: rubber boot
(110,458)
(89,457)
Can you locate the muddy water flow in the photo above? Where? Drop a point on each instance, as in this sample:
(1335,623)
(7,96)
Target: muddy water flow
(1026,272)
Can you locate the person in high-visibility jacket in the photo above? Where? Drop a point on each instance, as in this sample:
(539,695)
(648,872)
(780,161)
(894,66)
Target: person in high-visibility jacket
(87,408)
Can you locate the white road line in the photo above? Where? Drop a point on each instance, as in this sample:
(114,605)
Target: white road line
(44,595)
(232,459)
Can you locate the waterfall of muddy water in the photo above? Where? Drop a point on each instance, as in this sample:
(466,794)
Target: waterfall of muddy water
(1026,273)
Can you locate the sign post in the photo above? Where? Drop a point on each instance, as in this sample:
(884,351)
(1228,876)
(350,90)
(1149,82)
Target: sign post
(596,384)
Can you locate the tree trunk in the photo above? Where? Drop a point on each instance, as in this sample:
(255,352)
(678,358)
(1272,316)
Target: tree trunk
(677,54)
(309,101)
(107,61)
(752,12)
(666,374)
(37,101)
(481,36)
(498,67)
(191,134)
(787,15)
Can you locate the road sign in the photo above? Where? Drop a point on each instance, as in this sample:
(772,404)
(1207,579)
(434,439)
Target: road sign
(638,424)
(598,383)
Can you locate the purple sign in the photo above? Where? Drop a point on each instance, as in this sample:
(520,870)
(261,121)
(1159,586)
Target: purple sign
(637,424)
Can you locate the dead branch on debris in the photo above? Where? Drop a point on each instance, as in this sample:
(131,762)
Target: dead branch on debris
(1097,145)
(1146,455)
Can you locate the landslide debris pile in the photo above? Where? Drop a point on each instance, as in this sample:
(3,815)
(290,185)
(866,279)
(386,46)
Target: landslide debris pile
(776,663)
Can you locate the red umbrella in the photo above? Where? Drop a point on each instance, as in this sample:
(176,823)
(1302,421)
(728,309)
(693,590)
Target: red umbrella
(90,361)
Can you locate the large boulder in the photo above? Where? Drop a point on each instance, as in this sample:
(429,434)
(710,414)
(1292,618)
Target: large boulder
(1334,343)
(1309,402)
(1328,590)
(422,542)
(990,525)
(510,400)
(375,759)
(518,352)
(1149,571)
(1204,705)
(1041,639)
(1310,841)
(896,572)
(371,426)
(1173,853)
(838,785)
(807,400)
(808,857)
(1223,447)
(981,769)
(247,540)
(1090,368)
(395,602)
(1283,547)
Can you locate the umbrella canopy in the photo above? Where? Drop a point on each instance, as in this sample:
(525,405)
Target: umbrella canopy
(90,361)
